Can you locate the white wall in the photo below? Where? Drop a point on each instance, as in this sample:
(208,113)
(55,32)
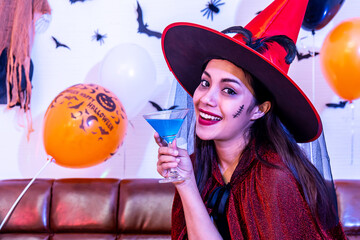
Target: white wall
(58,69)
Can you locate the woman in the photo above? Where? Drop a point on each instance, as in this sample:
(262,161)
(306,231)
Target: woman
(247,178)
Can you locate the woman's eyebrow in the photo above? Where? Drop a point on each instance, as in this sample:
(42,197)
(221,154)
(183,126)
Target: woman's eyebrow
(223,79)
(230,80)
(206,73)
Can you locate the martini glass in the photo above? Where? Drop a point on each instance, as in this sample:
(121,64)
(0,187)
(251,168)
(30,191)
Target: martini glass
(167,123)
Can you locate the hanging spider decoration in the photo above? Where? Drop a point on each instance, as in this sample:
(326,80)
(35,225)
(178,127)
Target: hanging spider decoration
(211,8)
(99,37)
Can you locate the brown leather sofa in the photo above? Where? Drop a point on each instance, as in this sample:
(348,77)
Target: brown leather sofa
(94,209)
(348,196)
(98,209)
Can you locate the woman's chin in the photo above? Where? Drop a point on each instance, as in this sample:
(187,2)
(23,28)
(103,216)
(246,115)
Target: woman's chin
(204,136)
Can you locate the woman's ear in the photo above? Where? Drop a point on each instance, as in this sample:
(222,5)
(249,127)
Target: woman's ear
(261,110)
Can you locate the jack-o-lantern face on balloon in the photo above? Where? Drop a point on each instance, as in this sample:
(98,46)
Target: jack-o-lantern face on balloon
(83,126)
(106,102)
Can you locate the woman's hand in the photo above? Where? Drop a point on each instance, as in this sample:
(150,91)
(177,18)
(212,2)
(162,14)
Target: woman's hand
(172,157)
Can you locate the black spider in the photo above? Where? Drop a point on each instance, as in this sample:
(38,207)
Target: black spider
(98,37)
(211,8)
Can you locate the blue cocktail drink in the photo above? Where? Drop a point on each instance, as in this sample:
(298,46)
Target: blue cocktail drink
(167,128)
(167,124)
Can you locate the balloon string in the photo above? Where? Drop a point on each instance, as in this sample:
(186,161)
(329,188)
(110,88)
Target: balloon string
(124,162)
(313,68)
(23,192)
(313,85)
(352,132)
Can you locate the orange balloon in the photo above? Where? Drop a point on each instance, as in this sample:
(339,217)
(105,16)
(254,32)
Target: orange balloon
(84,126)
(340,59)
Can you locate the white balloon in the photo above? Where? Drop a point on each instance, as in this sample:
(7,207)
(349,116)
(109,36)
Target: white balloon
(129,72)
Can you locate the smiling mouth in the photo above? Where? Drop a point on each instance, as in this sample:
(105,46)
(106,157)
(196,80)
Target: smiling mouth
(207,118)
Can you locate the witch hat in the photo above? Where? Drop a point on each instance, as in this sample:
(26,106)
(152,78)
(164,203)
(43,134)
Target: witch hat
(187,47)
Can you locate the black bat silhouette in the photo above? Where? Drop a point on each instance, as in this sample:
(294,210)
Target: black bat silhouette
(301,56)
(341,104)
(74,1)
(71,97)
(143,27)
(82,124)
(76,106)
(103,131)
(117,121)
(59,44)
(157,106)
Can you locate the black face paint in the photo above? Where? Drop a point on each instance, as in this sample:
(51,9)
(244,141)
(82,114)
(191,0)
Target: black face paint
(238,112)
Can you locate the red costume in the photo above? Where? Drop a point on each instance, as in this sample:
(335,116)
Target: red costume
(265,202)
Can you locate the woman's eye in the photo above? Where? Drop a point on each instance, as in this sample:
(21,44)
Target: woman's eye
(229,91)
(204,83)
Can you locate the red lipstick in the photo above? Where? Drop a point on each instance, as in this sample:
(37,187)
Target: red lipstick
(208,118)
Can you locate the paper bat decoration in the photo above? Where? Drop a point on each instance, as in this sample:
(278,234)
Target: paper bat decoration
(155,105)
(301,56)
(59,44)
(341,104)
(74,1)
(143,28)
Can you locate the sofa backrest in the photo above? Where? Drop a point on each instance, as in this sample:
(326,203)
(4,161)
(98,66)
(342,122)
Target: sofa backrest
(84,205)
(91,208)
(145,207)
(348,197)
(33,211)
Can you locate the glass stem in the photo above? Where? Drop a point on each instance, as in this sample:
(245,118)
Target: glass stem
(173,171)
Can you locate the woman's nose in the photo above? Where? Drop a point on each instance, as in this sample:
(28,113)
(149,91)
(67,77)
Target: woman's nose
(209,98)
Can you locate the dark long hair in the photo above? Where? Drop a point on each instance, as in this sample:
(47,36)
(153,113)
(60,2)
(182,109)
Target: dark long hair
(269,131)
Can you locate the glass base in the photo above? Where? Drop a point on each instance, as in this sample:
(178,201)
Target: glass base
(174,177)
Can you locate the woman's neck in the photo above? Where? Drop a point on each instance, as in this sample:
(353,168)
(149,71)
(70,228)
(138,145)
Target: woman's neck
(228,156)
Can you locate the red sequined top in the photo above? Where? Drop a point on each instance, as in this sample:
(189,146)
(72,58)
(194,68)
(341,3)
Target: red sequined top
(264,203)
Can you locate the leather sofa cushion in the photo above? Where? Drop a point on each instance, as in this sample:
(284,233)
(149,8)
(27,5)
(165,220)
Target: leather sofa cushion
(32,212)
(143,237)
(24,236)
(72,199)
(348,196)
(83,236)
(140,200)
(93,209)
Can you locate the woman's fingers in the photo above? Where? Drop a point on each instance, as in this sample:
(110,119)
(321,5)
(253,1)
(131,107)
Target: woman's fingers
(172,157)
(167,158)
(168,151)
(161,142)
(167,165)
(164,165)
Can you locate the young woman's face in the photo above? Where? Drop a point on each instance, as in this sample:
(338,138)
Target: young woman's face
(222,101)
